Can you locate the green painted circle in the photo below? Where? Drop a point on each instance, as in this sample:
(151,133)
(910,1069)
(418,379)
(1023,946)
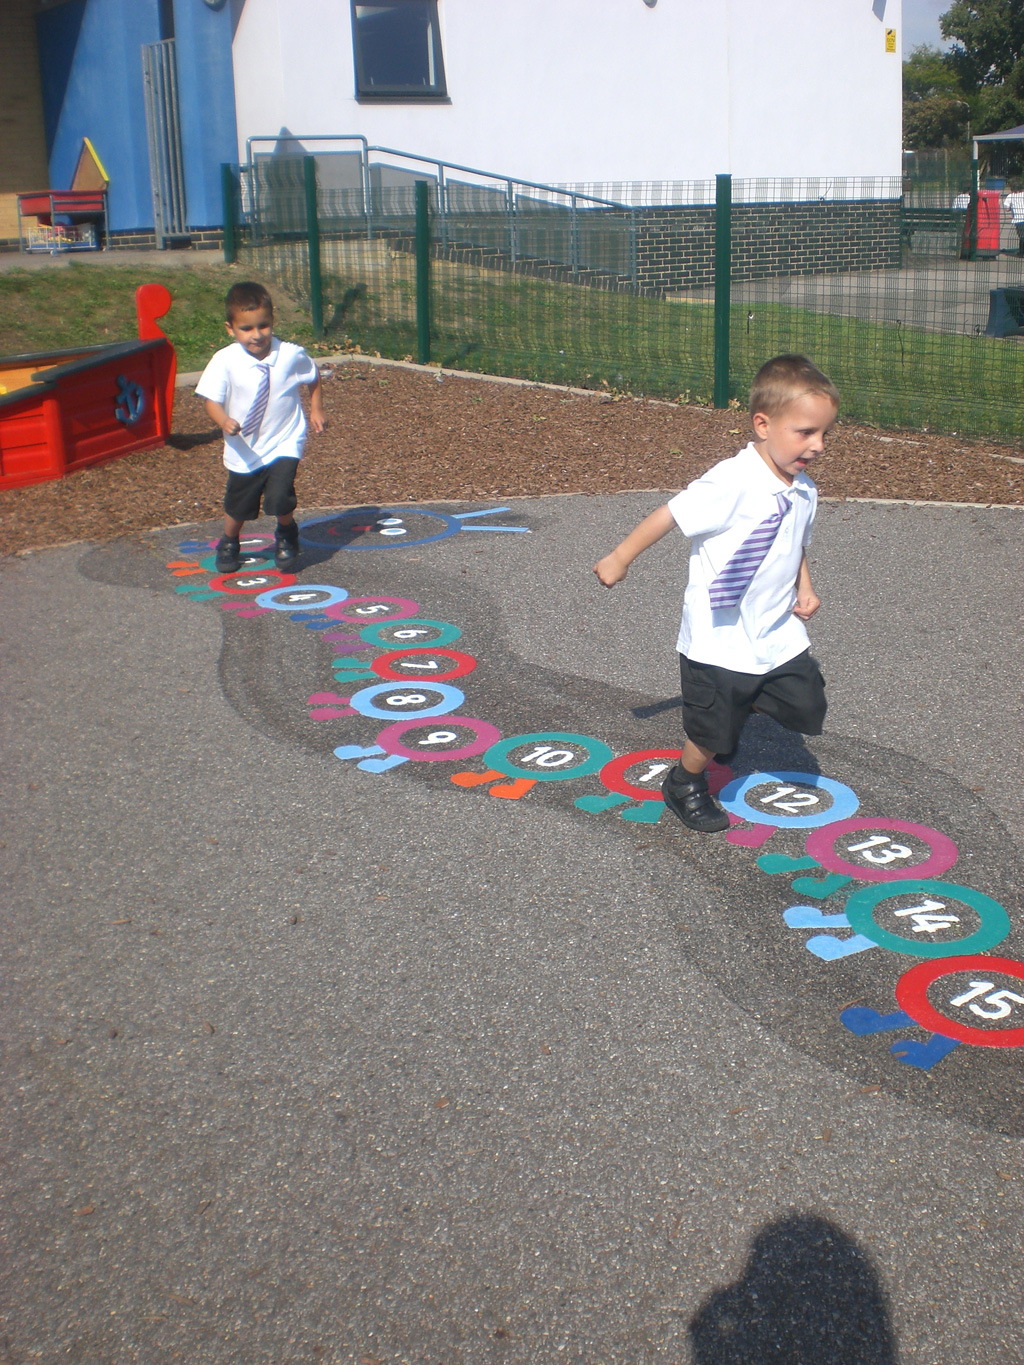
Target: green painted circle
(598,755)
(447,634)
(995,922)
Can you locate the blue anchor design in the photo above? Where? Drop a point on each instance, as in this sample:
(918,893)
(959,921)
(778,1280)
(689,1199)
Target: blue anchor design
(131,400)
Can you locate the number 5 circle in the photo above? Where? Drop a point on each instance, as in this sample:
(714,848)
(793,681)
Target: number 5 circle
(733,798)
(363,700)
(912,996)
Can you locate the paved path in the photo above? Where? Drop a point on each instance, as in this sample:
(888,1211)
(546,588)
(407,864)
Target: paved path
(313,1058)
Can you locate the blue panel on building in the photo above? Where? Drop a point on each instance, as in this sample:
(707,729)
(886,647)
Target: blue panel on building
(206,89)
(90,60)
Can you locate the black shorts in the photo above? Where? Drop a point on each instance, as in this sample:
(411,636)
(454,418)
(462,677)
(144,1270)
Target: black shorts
(717,701)
(274,483)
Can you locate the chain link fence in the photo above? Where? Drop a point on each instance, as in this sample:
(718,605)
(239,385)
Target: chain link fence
(908,293)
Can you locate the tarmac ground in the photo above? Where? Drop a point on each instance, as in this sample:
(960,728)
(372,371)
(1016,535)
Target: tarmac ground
(360,1002)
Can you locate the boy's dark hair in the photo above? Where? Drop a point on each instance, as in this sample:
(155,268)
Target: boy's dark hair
(245,297)
(786,377)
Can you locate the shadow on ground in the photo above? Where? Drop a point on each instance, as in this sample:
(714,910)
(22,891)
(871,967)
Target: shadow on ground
(809,1295)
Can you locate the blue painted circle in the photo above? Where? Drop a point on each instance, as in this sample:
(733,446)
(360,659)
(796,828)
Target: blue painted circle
(995,922)
(363,700)
(451,526)
(598,755)
(272,597)
(733,798)
(372,634)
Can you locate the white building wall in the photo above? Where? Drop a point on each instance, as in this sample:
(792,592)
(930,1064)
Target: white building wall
(564,91)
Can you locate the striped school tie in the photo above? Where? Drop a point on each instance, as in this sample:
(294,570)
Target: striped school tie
(251,425)
(733,581)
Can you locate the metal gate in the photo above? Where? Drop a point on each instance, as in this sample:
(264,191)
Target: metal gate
(163,133)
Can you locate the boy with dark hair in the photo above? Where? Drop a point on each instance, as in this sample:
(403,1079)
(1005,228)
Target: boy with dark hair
(252,391)
(742,643)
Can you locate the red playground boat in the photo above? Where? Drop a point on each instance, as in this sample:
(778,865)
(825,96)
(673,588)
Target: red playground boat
(64,410)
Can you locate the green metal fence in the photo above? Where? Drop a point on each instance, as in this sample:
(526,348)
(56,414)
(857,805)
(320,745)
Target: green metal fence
(908,294)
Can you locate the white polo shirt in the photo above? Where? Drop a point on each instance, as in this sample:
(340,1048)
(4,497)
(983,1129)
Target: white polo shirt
(232,379)
(717,512)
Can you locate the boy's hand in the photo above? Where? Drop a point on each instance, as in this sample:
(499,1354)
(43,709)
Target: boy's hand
(230,426)
(611,570)
(807,603)
(317,420)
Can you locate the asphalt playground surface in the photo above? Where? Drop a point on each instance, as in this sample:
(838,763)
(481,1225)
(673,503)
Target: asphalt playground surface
(308,1061)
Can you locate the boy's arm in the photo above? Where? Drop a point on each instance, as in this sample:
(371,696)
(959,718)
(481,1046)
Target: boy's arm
(614,567)
(216,412)
(317,420)
(807,600)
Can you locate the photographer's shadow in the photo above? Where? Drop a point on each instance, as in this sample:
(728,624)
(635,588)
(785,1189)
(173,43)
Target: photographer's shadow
(809,1295)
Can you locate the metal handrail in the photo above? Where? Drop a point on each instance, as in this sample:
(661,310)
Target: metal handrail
(441,168)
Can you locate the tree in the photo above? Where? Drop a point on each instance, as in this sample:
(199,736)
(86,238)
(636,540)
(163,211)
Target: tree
(988,58)
(935,112)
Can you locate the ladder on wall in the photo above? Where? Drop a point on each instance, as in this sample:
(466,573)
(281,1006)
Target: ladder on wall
(163,134)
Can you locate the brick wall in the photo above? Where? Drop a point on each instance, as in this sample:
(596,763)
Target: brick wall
(676,245)
(22,137)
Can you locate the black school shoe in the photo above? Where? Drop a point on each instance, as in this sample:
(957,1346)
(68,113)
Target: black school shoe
(286,545)
(229,554)
(687,796)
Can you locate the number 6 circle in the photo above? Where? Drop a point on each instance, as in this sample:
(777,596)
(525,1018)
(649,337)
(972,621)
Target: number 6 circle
(995,922)
(390,740)
(912,996)
(363,700)
(733,798)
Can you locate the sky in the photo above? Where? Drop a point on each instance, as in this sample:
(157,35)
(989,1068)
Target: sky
(921,23)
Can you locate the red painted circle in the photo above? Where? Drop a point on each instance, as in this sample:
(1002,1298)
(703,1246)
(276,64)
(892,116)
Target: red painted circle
(261,580)
(612,773)
(461,665)
(912,994)
(821,845)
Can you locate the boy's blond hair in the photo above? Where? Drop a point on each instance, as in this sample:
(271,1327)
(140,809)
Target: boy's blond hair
(786,377)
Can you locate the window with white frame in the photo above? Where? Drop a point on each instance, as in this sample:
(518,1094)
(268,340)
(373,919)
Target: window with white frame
(398,50)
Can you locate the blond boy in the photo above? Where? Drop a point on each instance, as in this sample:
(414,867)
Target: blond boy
(742,642)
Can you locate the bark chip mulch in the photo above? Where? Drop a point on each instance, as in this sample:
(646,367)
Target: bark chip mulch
(398,435)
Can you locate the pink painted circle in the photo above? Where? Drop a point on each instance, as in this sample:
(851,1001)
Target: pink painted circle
(365,611)
(257,580)
(486,735)
(821,845)
(912,995)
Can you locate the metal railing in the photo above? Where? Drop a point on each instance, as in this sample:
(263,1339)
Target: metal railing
(908,299)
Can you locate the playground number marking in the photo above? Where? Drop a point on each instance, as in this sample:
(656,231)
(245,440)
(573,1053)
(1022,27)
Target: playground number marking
(789,800)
